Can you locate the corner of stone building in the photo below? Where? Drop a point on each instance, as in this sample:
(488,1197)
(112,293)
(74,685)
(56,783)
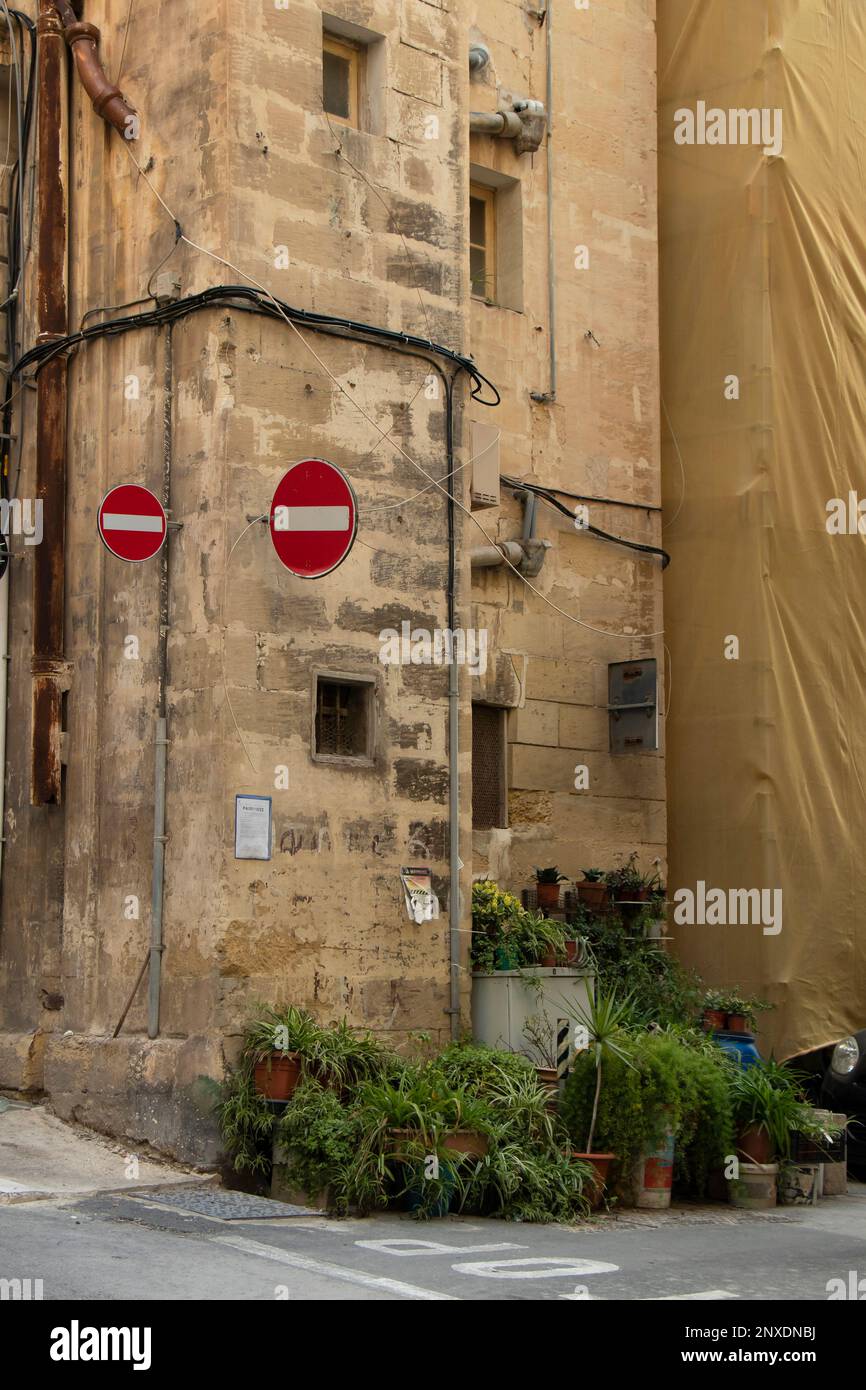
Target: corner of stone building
(22,1061)
(160,1093)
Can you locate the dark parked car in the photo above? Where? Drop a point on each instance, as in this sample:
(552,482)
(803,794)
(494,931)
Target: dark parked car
(841,1087)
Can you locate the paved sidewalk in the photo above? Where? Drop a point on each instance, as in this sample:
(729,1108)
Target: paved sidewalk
(42,1157)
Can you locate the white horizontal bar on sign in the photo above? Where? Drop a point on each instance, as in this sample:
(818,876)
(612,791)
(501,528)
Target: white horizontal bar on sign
(311,518)
(121,521)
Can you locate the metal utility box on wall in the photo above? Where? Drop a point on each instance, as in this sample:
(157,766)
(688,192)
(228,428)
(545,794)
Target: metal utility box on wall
(632,693)
(503,1004)
(484,443)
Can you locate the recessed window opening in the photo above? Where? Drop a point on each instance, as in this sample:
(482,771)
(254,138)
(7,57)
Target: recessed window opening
(341,80)
(343,722)
(482,241)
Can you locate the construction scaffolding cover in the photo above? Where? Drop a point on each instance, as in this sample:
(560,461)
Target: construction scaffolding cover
(762,141)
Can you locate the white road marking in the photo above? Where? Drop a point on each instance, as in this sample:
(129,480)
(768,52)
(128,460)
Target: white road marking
(535,1267)
(706,1294)
(332,1271)
(433,1247)
(311,518)
(131,521)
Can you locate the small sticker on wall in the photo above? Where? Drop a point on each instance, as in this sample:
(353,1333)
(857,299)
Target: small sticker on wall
(252,827)
(422,904)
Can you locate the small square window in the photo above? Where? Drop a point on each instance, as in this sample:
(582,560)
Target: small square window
(343,718)
(482,241)
(341,80)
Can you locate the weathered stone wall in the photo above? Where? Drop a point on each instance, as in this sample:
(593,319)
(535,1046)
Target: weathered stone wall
(370,225)
(600,437)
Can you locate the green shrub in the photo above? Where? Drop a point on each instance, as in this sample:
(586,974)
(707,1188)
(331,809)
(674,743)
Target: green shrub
(628,963)
(246,1123)
(320,1135)
(670,1080)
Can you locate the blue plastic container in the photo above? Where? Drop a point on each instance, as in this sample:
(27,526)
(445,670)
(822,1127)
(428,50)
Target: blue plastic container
(740,1045)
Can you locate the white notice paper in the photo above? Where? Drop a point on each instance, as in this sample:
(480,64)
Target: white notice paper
(252,827)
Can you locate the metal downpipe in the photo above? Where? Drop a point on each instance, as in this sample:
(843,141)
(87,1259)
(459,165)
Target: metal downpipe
(157,890)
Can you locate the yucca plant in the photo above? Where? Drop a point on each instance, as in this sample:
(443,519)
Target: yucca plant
(605,1020)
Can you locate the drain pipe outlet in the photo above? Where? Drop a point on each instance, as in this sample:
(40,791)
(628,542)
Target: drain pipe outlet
(106,98)
(506,124)
(479,56)
(488,556)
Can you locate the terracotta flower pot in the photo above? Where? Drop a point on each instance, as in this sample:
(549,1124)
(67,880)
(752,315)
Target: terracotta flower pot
(753,1146)
(549,958)
(572,950)
(466,1141)
(630,895)
(715,1019)
(547,895)
(601,1163)
(592,895)
(738,1023)
(548,1078)
(277,1076)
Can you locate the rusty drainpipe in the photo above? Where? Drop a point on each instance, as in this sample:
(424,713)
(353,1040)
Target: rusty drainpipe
(57,26)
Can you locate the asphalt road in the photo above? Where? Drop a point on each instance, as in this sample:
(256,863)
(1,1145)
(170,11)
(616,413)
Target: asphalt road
(117,1247)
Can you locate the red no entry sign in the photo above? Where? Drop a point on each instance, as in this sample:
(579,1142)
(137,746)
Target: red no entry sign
(313,518)
(131,522)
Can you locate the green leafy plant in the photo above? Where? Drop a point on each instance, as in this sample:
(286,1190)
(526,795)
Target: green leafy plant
(551,875)
(537,936)
(246,1123)
(496,921)
(478,1067)
(732,1002)
(505,934)
(712,1000)
(674,1079)
(593,875)
(768,1097)
(662,991)
(282,1029)
(319,1135)
(626,878)
(605,1020)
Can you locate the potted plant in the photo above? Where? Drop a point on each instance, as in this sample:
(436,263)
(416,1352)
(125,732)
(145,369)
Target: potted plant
(627,884)
(496,922)
(576,949)
(603,1022)
(547,883)
(714,1016)
(416,1118)
(541,941)
(818,1138)
(768,1108)
(276,1043)
(592,889)
(741,1010)
(538,1032)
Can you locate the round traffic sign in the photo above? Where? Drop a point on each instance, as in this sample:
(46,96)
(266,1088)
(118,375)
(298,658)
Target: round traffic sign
(313,518)
(132,522)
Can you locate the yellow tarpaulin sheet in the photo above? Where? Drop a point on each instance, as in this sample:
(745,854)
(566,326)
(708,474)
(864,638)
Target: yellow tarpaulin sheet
(763,296)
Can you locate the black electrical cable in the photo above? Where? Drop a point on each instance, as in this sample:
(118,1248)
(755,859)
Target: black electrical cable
(543,491)
(257,301)
(593,530)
